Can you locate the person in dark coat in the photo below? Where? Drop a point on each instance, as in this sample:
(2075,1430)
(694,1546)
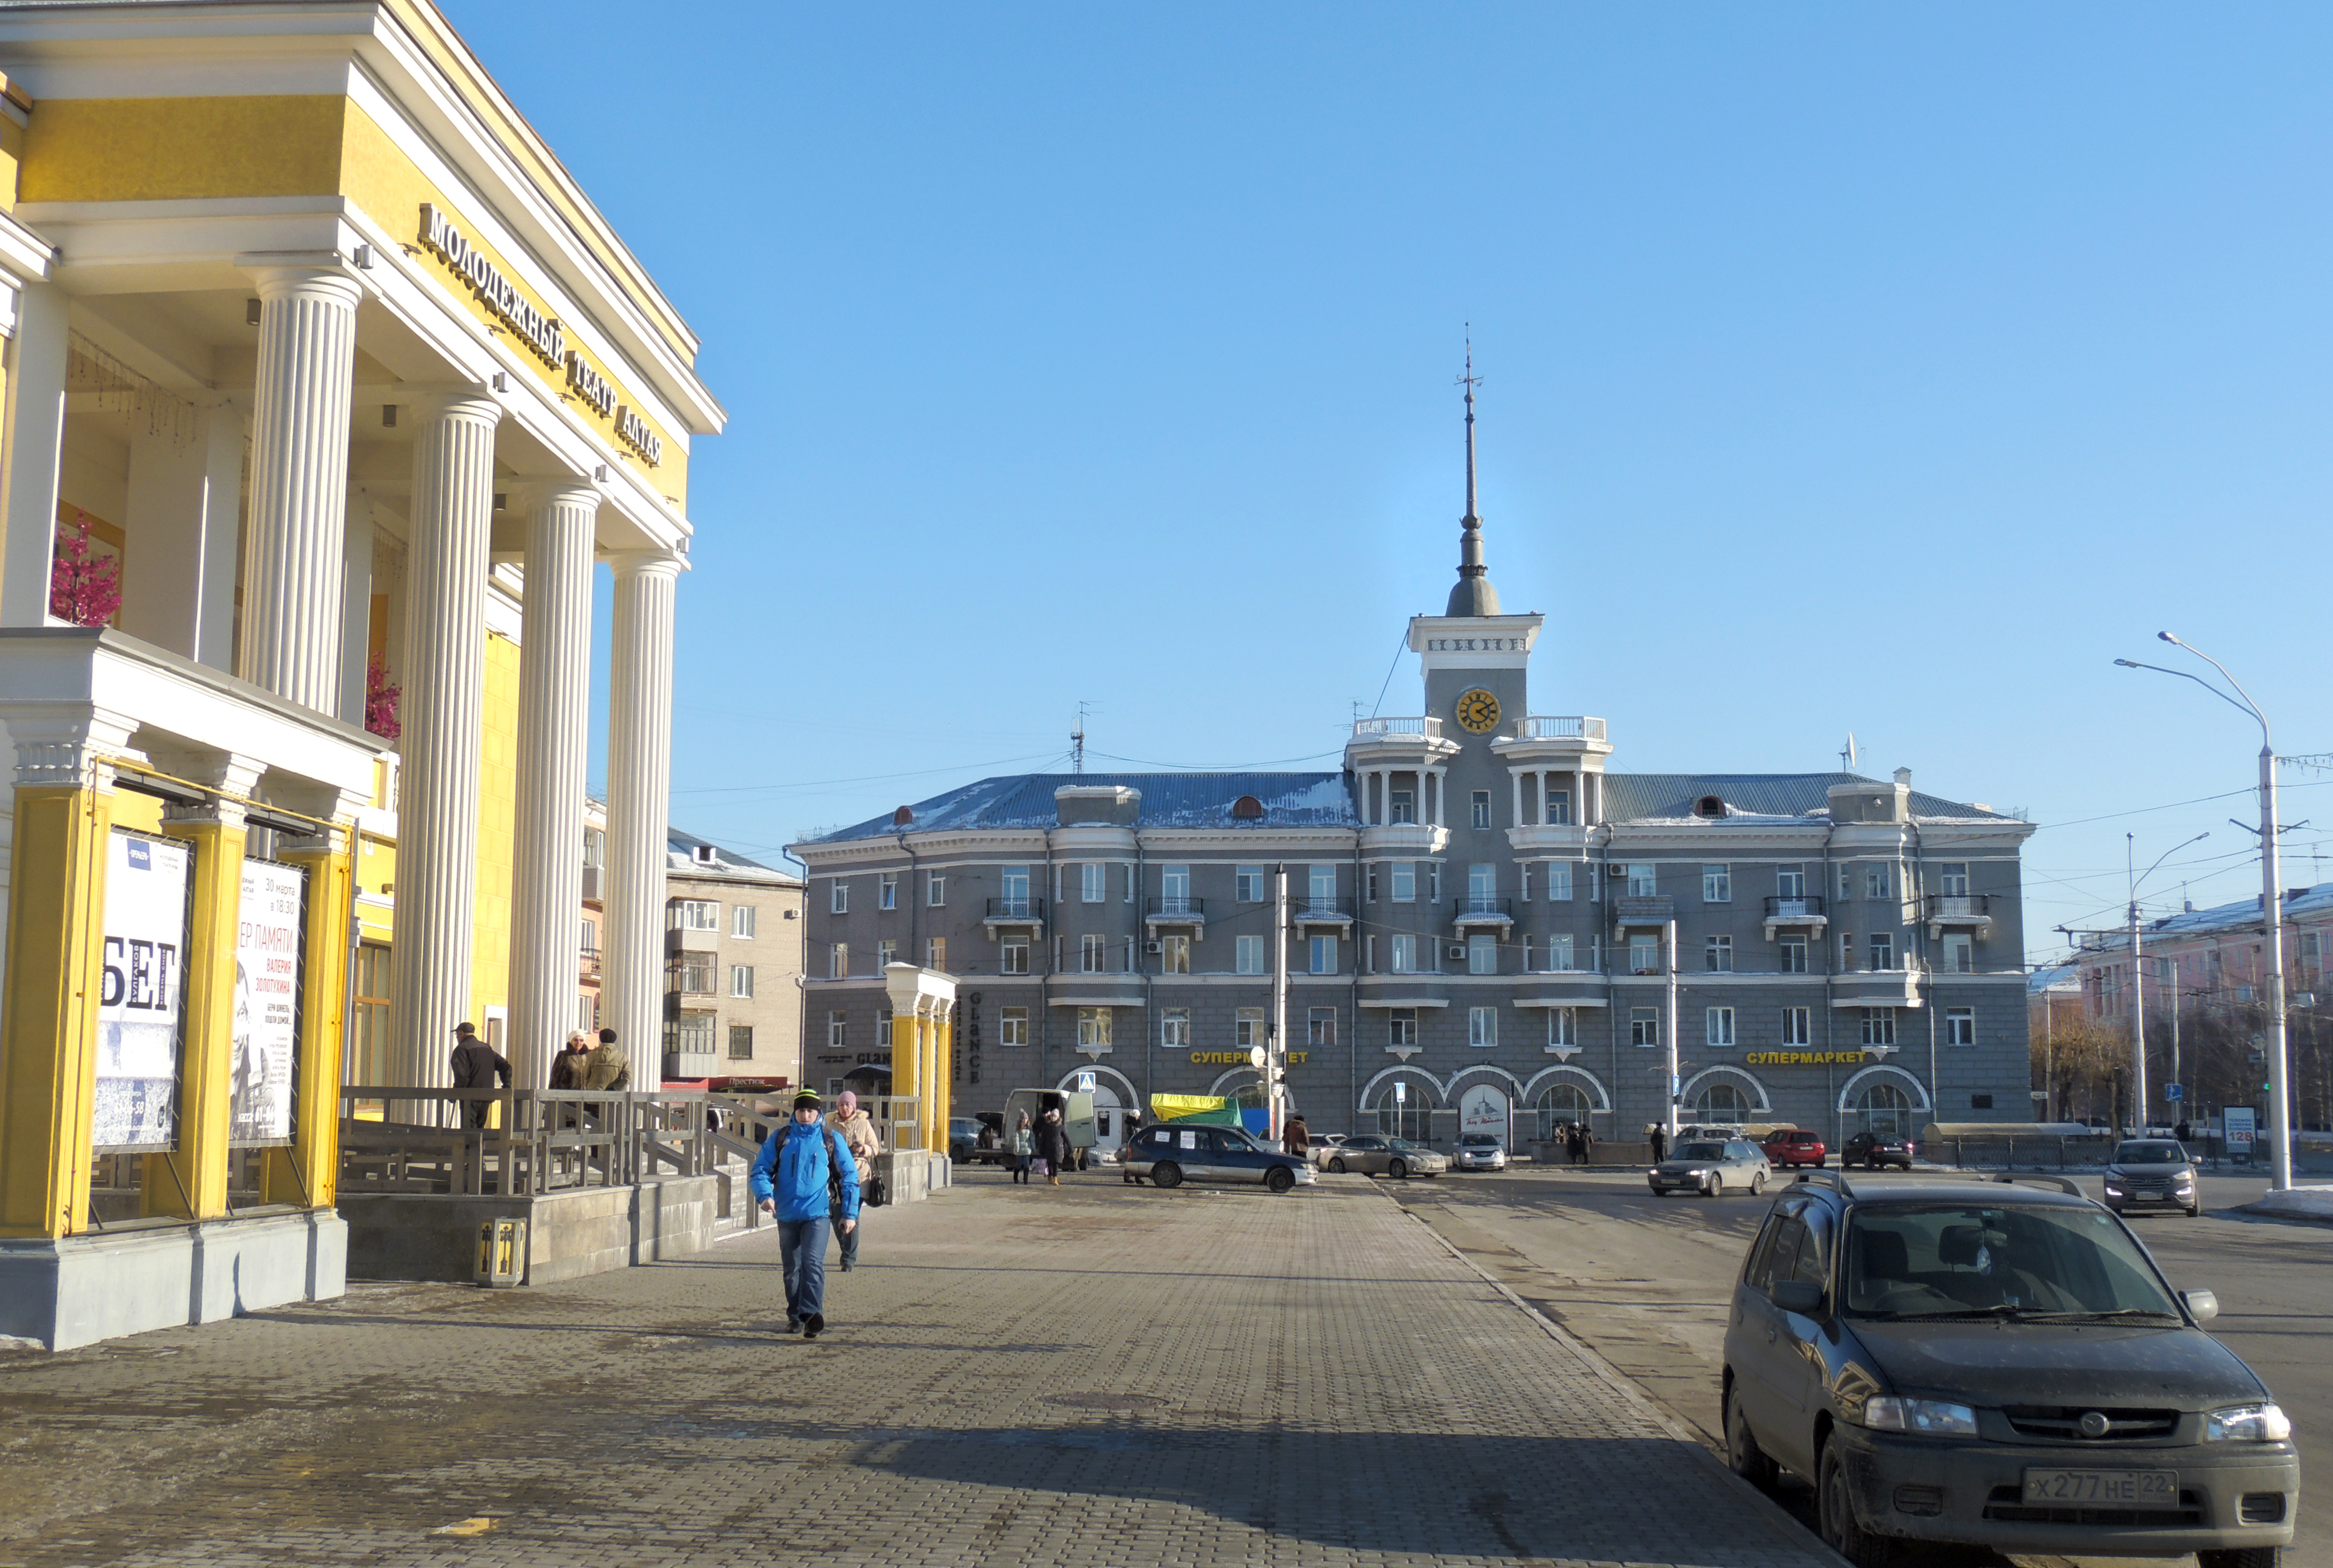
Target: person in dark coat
(1296,1137)
(1052,1145)
(1659,1142)
(476,1065)
(567,1067)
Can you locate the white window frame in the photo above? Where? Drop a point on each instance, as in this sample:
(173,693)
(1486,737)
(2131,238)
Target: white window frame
(1559,882)
(1247,955)
(887,891)
(1559,809)
(1798,1025)
(887,953)
(1093,953)
(1883,952)
(1789,881)
(1404,953)
(1323,953)
(1960,952)
(1878,1027)
(1483,1027)
(741,980)
(1405,875)
(1482,952)
(701,913)
(1320,885)
(837,897)
(1482,880)
(1093,881)
(1401,1026)
(935,890)
(1879,882)
(838,961)
(837,1030)
(1012,955)
(1638,943)
(1960,1026)
(1315,1036)
(1716,883)
(1480,808)
(1012,885)
(1247,884)
(1247,1027)
(1012,1026)
(1559,954)
(1718,1028)
(936,953)
(1717,954)
(1644,879)
(1401,806)
(1175,953)
(1791,954)
(744,920)
(1952,879)
(1563,1026)
(1175,1029)
(1093,1029)
(1645,1027)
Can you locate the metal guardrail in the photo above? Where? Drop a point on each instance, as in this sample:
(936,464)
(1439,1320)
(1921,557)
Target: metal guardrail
(1959,905)
(1016,909)
(1798,906)
(1172,906)
(1368,729)
(1559,727)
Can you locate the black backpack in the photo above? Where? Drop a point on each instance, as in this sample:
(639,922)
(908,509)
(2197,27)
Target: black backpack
(834,1158)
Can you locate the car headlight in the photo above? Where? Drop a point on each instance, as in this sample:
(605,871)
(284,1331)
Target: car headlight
(2114,1185)
(2264,1423)
(1922,1418)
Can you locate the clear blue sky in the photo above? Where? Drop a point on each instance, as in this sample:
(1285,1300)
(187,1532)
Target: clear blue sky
(1885,369)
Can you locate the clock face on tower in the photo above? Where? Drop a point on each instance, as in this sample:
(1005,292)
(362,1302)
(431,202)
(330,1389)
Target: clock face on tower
(1478,711)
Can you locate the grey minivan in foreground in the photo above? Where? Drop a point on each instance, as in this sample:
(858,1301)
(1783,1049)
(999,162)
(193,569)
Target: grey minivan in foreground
(1993,1363)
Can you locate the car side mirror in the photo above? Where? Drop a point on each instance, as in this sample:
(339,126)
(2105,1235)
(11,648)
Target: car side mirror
(2202,1306)
(1799,1296)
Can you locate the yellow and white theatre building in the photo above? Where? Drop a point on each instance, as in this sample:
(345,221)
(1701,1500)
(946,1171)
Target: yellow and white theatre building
(313,337)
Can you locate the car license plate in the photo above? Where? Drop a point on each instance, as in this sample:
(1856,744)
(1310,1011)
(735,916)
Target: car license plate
(2129,1488)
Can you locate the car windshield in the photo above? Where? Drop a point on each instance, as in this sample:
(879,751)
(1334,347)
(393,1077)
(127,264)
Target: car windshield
(1965,1260)
(1479,1141)
(1702,1152)
(1399,1144)
(2153,1151)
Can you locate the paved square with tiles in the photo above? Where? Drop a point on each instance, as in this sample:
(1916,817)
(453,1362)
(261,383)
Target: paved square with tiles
(1094,1375)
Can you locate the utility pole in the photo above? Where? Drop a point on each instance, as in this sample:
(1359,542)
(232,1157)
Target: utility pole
(1669,1030)
(1275,1056)
(2137,999)
(1078,742)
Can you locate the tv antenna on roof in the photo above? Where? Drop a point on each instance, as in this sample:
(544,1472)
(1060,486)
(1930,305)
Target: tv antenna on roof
(1078,742)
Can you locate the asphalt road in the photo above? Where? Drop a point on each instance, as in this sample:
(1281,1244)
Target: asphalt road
(1647,1281)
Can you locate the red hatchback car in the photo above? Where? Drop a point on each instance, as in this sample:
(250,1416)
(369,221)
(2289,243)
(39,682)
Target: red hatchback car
(1794,1146)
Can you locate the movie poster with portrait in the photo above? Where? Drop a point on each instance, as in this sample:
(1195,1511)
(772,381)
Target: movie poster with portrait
(142,1001)
(269,954)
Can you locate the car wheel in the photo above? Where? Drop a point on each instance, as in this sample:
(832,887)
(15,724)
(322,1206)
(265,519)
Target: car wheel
(2241,1557)
(2193,1212)
(1835,1508)
(1281,1178)
(1715,1187)
(1337,1166)
(1398,1171)
(1757,1184)
(1748,1460)
(1166,1175)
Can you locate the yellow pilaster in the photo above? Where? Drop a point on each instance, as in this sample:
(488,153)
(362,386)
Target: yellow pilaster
(55,969)
(191,1180)
(308,1173)
(906,1042)
(941,1074)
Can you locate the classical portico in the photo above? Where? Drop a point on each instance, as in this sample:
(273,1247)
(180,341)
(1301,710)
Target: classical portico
(336,371)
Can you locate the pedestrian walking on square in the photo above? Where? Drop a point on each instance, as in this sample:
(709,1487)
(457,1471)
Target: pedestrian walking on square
(608,1068)
(1572,1142)
(1053,1146)
(476,1065)
(1660,1142)
(858,1131)
(1297,1138)
(1587,1145)
(806,1178)
(1024,1148)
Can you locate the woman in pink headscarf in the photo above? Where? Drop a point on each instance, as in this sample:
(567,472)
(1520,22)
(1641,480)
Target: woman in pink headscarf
(858,1131)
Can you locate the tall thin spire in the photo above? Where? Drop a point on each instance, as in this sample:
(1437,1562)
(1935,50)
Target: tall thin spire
(1473,595)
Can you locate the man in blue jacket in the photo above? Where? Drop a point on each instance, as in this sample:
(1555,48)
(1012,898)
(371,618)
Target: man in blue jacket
(803,1176)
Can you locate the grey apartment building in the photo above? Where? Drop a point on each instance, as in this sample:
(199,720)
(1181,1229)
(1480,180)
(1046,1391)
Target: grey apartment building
(1490,928)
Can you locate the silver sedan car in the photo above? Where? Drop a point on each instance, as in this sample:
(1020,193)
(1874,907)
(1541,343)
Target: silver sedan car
(1709,1168)
(1375,1154)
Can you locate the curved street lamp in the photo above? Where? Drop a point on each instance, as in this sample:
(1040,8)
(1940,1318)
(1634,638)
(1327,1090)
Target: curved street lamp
(2272,906)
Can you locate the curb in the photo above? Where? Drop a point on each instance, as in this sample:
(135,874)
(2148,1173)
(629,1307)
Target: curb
(1623,1385)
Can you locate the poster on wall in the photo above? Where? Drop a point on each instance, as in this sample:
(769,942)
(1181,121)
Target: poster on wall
(141,1012)
(1483,1109)
(269,964)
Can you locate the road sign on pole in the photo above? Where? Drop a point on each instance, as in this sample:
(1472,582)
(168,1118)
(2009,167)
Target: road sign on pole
(2174,1092)
(1085,1083)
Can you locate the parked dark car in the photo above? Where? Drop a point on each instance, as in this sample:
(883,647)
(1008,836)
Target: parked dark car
(2153,1173)
(1874,1150)
(1170,1155)
(1994,1363)
(1789,1146)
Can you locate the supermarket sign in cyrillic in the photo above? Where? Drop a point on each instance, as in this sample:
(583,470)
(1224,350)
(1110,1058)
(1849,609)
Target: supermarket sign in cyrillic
(1806,1058)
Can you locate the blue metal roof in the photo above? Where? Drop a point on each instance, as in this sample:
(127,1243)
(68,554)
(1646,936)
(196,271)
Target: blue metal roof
(1026,800)
(1168,801)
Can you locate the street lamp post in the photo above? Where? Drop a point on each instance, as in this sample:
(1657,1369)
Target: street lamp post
(2280,1093)
(2138,983)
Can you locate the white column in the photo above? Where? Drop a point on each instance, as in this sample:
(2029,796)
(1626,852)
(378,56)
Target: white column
(1517,779)
(179,591)
(356,607)
(445,682)
(554,734)
(34,442)
(640,799)
(293,583)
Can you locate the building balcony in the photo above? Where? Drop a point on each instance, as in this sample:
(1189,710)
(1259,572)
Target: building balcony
(1322,911)
(1550,727)
(1553,737)
(1876,988)
(590,963)
(1398,839)
(1398,729)
(1973,910)
(1643,909)
(1567,840)
(1176,909)
(1474,911)
(1381,742)
(1795,909)
(1004,912)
